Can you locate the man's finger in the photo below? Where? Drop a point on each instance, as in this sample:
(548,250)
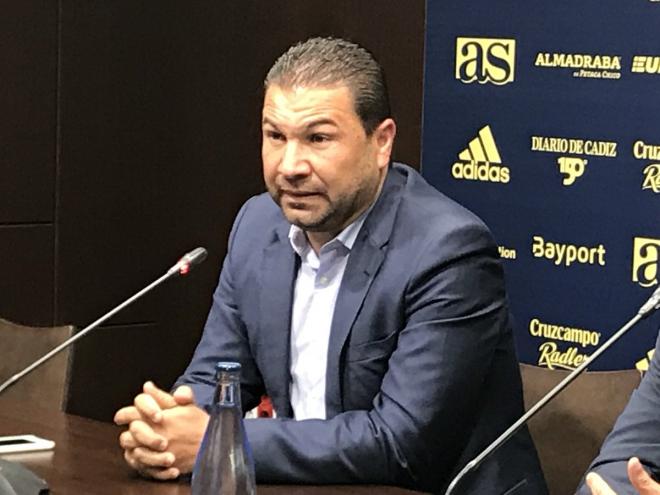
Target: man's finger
(147,437)
(126,414)
(149,472)
(148,407)
(128,457)
(151,458)
(164,399)
(640,479)
(160,474)
(184,395)
(126,441)
(598,486)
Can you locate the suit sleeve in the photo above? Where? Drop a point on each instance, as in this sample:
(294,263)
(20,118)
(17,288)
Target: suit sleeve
(455,317)
(635,434)
(224,338)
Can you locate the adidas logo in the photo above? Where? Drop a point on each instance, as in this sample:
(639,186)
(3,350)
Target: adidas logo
(481,161)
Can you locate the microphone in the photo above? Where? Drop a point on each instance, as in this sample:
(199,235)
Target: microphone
(189,261)
(652,304)
(181,267)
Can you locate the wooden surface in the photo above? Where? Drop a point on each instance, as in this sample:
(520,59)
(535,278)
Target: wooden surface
(87,459)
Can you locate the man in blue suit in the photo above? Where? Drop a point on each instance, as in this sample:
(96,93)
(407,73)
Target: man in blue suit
(633,446)
(367,305)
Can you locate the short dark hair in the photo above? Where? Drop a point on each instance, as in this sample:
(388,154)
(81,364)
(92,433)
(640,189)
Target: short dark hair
(330,61)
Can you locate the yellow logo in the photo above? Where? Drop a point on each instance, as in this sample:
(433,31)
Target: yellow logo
(582,336)
(587,147)
(481,160)
(643,151)
(552,357)
(644,363)
(652,178)
(571,168)
(646,253)
(594,66)
(485,60)
(645,64)
(567,254)
(507,253)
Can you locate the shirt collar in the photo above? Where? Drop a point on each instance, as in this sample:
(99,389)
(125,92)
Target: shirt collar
(346,237)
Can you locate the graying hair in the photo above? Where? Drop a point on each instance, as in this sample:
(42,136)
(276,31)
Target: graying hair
(334,61)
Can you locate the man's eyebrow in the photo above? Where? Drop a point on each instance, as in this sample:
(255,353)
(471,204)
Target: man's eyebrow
(320,121)
(269,122)
(309,125)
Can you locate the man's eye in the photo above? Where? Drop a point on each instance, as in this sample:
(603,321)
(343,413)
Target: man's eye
(274,136)
(319,138)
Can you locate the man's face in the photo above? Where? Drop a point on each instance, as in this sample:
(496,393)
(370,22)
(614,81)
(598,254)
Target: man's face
(319,165)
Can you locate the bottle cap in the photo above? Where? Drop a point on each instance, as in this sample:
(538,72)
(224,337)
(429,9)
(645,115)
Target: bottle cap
(227,366)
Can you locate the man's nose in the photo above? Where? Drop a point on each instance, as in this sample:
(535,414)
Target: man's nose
(295,162)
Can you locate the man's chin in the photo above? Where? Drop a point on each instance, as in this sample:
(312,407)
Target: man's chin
(307,222)
(307,225)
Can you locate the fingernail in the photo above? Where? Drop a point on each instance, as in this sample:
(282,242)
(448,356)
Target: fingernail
(157,417)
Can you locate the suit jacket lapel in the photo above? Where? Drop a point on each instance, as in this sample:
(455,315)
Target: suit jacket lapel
(363,264)
(278,270)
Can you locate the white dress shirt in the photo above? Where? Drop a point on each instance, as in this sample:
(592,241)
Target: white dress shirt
(314,297)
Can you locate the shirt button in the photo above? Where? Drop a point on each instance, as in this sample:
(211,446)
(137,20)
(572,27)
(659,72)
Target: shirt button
(323,281)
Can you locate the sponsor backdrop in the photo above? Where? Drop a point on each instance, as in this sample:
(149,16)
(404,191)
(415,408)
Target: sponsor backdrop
(544,119)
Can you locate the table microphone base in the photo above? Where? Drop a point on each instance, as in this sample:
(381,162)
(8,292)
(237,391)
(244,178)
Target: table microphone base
(18,480)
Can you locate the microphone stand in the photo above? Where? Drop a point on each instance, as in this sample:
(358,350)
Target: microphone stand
(649,306)
(27,482)
(180,268)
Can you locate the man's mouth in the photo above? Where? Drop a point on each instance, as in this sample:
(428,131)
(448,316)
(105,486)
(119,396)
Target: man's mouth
(298,194)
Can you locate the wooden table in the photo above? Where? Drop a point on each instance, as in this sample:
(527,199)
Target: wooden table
(87,459)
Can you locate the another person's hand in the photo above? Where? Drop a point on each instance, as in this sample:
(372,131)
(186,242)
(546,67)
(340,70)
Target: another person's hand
(639,478)
(164,432)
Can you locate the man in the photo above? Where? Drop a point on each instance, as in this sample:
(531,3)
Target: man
(633,446)
(368,306)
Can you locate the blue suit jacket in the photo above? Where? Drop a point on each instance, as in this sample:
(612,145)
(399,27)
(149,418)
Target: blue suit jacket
(635,434)
(421,371)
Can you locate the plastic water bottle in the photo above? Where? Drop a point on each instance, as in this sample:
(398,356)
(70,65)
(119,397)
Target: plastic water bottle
(224,464)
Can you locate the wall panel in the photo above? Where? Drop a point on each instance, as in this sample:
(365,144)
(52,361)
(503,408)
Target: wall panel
(159,137)
(26,284)
(28,59)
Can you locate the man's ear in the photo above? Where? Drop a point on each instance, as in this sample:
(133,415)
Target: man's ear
(383,139)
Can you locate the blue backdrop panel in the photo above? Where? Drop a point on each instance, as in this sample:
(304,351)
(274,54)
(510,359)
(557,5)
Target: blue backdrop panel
(544,119)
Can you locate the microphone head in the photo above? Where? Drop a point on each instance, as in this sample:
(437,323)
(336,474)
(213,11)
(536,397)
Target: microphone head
(190,260)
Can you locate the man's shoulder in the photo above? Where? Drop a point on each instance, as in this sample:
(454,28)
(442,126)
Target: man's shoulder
(261,210)
(425,211)
(258,220)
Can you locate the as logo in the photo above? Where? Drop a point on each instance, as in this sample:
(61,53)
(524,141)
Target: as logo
(485,60)
(481,161)
(646,253)
(572,168)
(652,178)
